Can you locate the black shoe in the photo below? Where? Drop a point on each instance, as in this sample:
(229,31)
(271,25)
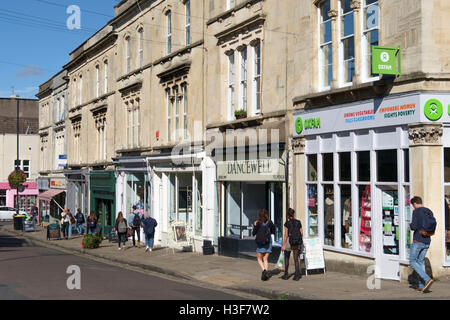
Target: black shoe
(264,276)
(285,276)
(297,277)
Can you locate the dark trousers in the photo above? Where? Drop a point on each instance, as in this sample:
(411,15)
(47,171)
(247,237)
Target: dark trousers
(122,238)
(287,255)
(65,229)
(136,230)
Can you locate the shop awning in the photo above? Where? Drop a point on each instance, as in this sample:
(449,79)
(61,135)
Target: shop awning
(49,194)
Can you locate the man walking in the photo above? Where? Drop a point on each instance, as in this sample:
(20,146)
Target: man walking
(423,224)
(134,222)
(79,217)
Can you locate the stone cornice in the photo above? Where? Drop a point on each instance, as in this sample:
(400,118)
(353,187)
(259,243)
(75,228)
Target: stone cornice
(231,11)
(179,52)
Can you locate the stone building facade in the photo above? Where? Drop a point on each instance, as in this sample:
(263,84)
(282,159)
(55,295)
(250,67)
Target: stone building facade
(190,111)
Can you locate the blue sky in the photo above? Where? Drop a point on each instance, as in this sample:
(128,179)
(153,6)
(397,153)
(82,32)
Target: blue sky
(36,41)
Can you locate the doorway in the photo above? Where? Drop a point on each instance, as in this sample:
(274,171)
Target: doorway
(387,231)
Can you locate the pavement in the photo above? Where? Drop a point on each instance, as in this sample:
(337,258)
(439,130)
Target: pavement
(239,274)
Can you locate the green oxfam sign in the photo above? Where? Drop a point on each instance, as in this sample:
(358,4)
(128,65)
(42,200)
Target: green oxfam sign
(434,109)
(298,125)
(386,60)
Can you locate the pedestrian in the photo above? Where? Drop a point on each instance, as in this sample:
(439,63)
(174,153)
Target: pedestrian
(71,222)
(423,224)
(121,229)
(293,231)
(34,213)
(79,217)
(263,228)
(149,224)
(91,223)
(135,225)
(65,222)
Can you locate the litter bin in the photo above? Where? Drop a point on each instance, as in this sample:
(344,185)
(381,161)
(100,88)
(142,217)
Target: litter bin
(18,221)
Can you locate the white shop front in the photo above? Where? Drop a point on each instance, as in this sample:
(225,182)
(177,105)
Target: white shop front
(358,175)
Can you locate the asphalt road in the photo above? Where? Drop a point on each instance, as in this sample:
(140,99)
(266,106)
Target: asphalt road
(33,272)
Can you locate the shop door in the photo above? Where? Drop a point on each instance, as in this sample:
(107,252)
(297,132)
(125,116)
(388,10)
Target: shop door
(387,228)
(105,215)
(254,199)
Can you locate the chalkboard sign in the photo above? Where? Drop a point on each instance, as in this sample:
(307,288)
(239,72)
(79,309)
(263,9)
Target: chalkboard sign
(53,231)
(313,254)
(28,226)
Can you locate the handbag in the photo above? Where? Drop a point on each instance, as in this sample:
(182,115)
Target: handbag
(129,232)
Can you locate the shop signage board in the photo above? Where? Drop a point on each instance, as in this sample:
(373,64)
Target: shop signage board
(314,258)
(53,231)
(386,60)
(251,170)
(62,160)
(374,113)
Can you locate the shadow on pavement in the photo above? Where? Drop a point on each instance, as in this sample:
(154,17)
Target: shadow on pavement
(8,241)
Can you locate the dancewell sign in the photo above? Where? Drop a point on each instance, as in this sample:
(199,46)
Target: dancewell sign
(375,113)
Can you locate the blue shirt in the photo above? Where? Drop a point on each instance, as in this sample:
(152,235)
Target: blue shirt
(417,224)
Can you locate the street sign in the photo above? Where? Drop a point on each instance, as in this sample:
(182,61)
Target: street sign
(386,60)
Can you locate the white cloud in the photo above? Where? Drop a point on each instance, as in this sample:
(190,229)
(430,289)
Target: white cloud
(29,71)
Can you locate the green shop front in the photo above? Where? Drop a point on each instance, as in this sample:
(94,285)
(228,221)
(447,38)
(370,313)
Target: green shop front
(102,199)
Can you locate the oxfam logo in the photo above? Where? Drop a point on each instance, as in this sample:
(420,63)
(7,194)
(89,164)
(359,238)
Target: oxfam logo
(298,125)
(384,56)
(433,109)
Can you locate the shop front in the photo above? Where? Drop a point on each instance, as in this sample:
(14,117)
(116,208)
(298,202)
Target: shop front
(77,190)
(52,198)
(26,200)
(248,182)
(356,168)
(102,199)
(182,189)
(133,186)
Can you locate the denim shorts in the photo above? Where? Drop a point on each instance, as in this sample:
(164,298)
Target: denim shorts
(265,248)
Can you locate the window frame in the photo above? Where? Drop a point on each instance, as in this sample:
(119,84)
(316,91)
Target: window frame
(366,67)
(127,54)
(187,22)
(141,47)
(342,38)
(169,32)
(257,84)
(321,48)
(231,85)
(243,78)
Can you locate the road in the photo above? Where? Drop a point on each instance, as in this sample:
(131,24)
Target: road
(38,273)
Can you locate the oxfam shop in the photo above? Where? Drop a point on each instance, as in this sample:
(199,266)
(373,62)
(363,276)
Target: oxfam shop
(363,163)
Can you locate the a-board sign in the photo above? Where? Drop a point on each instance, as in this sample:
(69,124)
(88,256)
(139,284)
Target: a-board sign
(29,226)
(53,231)
(313,254)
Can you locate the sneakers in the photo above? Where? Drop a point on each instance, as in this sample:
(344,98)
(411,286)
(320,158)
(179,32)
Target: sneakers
(297,277)
(120,248)
(150,250)
(146,249)
(427,285)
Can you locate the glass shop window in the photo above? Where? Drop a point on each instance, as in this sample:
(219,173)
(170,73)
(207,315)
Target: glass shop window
(312,167)
(363,165)
(328,205)
(346,216)
(365,218)
(313,211)
(387,166)
(345,166)
(327,166)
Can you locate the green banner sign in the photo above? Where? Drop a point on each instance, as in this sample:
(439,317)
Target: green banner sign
(386,60)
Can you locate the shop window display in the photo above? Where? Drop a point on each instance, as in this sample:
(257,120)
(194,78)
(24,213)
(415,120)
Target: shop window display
(136,192)
(312,167)
(346,216)
(328,205)
(390,220)
(365,218)
(2,198)
(408,212)
(313,211)
(447,199)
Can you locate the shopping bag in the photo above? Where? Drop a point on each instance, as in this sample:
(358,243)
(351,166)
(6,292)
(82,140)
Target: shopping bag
(280,263)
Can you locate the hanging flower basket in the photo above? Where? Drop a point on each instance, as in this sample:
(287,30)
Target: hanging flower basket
(16,178)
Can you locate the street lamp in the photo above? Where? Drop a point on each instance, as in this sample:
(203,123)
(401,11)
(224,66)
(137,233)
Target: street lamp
(17,161)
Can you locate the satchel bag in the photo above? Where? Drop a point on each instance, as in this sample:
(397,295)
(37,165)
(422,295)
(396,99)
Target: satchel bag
(129,232)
